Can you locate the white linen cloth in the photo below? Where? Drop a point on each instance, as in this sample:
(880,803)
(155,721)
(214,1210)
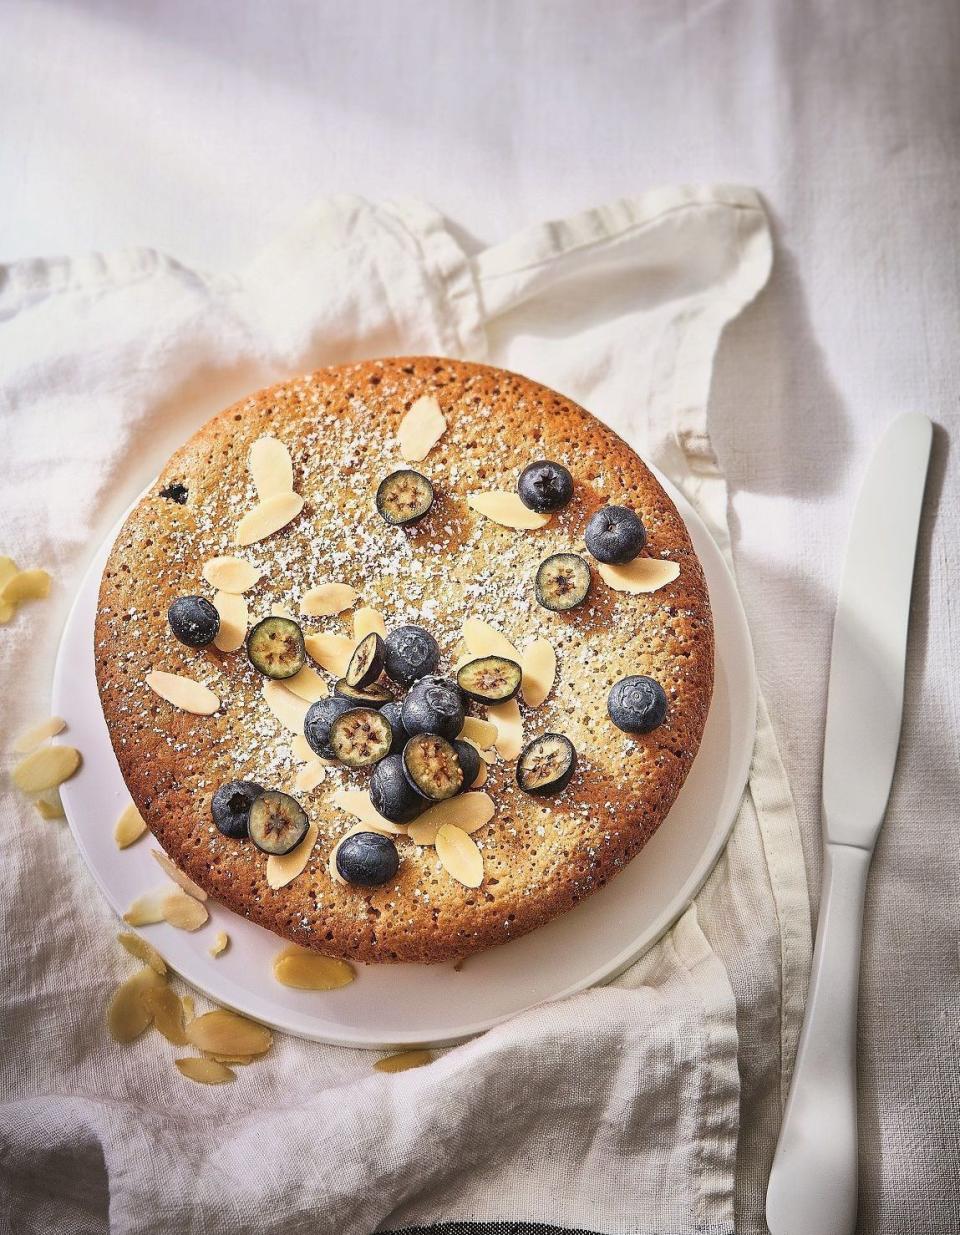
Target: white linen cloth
(651,1105)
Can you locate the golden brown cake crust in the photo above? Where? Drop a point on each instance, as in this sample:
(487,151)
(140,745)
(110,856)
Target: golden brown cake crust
(541,856)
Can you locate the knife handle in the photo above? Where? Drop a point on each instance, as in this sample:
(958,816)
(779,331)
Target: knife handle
(813,1183)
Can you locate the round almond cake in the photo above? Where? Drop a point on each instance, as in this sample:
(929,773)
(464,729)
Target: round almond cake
(532,686)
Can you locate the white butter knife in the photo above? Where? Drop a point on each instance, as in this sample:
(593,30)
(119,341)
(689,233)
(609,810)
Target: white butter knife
(813,1183)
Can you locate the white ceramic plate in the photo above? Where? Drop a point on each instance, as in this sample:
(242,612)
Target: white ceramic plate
(400,1005)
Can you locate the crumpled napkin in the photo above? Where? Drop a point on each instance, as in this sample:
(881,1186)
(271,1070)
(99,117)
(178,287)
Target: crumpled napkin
(650,1105)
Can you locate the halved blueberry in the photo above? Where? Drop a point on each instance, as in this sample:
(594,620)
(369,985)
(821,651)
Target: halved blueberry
(431,766)
(546,765)
(637,704)
(411,653)
(404,497)
(275,648)
(367,859)
(372,696)
(469,758)
(194,621)
(277,822)
(489,679)
(366,663)
(563,582)
(360,737)
(545,486)
(615,535)
(318,720)
(434,705)
(392,794)
(230,806)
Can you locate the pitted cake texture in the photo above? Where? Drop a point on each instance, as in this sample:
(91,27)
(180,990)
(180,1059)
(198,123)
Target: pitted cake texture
(540,856)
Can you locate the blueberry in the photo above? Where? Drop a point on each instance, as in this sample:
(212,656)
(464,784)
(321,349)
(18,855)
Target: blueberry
(545,486)
(434,705)
(230,806)
(637,704)
(392,794)
(392,712)
(367,859)
(411,653)
(194,621)
(176,493)
(320,716)
(615,535)
(469,758)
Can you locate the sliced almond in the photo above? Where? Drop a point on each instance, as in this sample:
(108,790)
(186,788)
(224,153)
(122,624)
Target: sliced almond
(282,611)
(506,716)
(25,585)
(148,908)
(310,776)
(643,574)
(128,1015)
(301,750)
(233,621)
(309,971)
(130,826)
(183,911)
(241,1060)
(403,1061)
(271,467)
(269,517)
(8,568)
(468,812)
(49,804)
(204,1071)
(227,1033)
(230,574)
(480,732)
(357,802)
(328,599)
(459,855)
(289,709)
(284,868)
(46,768)
(366,621)
(37,734)
(482,639)
(331,652)
(503,507)
(481,776)
(137,946)
(221,941)
(308,685)
(189,1011)
(165,1007)
(177,875)
(183,693)
(538,662)
(421,428)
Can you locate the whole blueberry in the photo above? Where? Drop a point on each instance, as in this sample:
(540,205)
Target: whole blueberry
(469,758)
(637,704)
(411,653)
(392,794)
(194,621)
(230,806)
(434,705)
(320,716)
(367,859)
(615,535)
(545,486)
(392,712)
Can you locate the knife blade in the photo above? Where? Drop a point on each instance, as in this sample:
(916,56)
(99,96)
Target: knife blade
(868,657)
(813,1182)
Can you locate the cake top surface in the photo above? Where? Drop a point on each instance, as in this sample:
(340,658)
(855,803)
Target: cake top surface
(344,430)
